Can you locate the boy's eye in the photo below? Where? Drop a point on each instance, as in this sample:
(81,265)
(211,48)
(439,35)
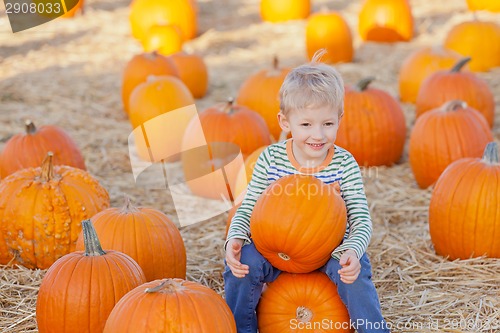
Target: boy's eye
(329,124)
(305,124)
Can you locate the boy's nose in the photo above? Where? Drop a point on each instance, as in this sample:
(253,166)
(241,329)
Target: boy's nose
(318,133)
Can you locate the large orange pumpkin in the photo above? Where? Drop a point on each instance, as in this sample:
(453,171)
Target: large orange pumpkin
(478,40)
(192,71)
(419,65)
(444,86)
(145,234)
(171,305)
(297,222)
(139,68)
(463,213)
(284,10)
(330,31)
(386,21)
(302,303)
(41,210)
(491,5)
(260,92)
(373,127)
(80,289)
(444,135)
(29,149)
(146,13)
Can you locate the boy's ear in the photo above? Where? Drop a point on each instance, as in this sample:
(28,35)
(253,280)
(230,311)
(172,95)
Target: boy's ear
(284,124)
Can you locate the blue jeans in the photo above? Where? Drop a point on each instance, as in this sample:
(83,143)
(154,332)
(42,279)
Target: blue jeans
(243,294)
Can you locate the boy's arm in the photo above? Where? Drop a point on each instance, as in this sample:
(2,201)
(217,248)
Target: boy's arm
(240,224)
(358,214)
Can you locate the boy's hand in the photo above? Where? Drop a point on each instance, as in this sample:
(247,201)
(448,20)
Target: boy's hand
(233,255)
(350,267)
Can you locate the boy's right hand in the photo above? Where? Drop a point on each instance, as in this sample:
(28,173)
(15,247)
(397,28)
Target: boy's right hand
(233,255)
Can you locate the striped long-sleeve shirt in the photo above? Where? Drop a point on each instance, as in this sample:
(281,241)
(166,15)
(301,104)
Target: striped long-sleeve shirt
(277,161)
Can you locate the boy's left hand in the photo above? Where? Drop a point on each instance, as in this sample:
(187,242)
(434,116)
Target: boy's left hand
(350,267)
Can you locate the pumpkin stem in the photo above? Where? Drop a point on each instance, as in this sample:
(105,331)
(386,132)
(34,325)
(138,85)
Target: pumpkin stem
(228,108)
(47,172)
(490,155)
(453,105)
(304,314)
(284,256)
(167,286)
(275,62)
(364,83)
(128,207)
(30,127)
(460,64)
(92,245)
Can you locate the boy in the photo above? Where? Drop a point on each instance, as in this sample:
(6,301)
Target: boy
(311,103)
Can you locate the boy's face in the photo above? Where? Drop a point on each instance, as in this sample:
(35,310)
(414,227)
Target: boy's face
(314,131)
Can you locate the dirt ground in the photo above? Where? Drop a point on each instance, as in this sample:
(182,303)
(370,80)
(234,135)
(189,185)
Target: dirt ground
(69,72)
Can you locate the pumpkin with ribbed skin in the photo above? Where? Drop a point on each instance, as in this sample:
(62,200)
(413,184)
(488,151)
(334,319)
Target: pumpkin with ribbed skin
(27,150)
(145,234)
(330,31)
(297,222)
(386,21)
(139,68)
(41,210)
(178,306)
(260,92)
(444,135)
(192,71)
(478,40)
(80,289)
(446,85)
(491,5)
(419,65)
(146,13)
(463,211)
(302,300)
(373,127)
(284,10)
(166,39)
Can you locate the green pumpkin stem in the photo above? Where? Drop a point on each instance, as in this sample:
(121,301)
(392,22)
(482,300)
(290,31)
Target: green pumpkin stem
(47,172)
(460,64)
(30,127)
(490,155)
(92,245)
(364,83)
(166,286)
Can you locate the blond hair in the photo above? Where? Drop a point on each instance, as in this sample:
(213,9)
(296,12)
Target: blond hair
(313,84)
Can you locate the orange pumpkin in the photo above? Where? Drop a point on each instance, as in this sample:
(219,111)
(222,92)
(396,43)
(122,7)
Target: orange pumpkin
(146,13)
(260,92)
(79,7)
(386,21)
(463,211)
(478,40)
(29,149)
(373,127)
(284,10)
(444,135)
(419,65)
(296,302)
(164,38)
(41,210)
(145,234)
(139,68)
(329,30)
(177,305)
(444,86)
(491,5)
(192,71)
(297,222)
(80,289)
(152,99)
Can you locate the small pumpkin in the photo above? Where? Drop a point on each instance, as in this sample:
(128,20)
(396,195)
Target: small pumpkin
(463,211)
(386,21)
(330,31)
(491,5)
(192,71)
(81,288)
(166,39)
(260,92)
(297,222)
(444,86)
(41,210)
(28,149)
(444,135)
(418,65)
(139,68)
(145,234)
(284,10)
(178,306)
(478,40)
(373,127)
(307,300)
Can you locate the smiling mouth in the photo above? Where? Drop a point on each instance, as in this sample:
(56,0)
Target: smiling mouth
(316,145)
